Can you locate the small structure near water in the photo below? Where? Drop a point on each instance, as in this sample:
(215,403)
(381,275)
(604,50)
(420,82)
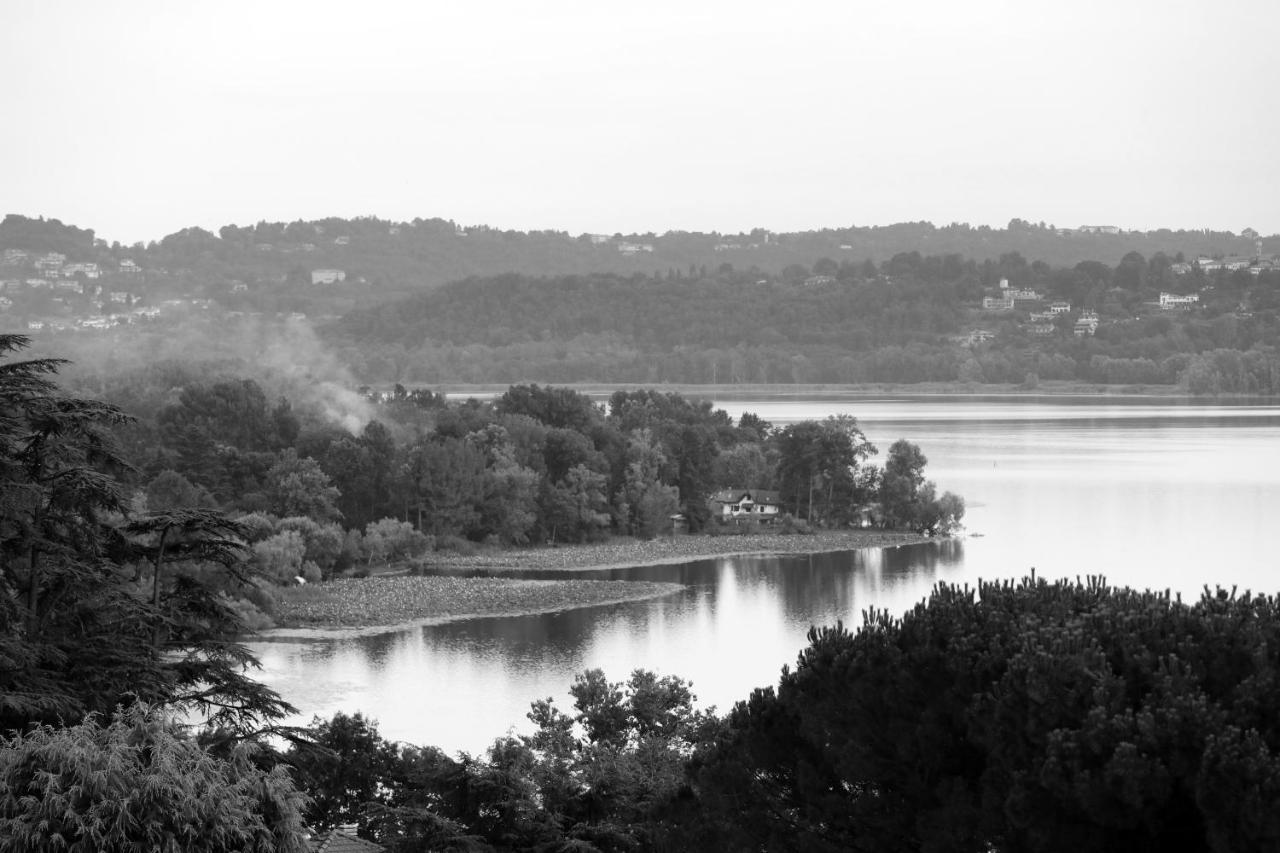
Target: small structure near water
(745,506)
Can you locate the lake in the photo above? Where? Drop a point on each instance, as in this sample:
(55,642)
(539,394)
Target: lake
(1149,494)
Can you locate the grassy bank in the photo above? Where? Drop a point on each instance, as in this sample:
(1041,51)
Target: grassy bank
(623,553)
(368,605)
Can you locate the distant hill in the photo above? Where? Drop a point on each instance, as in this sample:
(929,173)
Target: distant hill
(382,259)
(431,301)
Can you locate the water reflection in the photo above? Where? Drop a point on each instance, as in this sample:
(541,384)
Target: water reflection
(736,621)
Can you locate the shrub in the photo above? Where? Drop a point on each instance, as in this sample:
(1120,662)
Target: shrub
(135,783)
(1027,716)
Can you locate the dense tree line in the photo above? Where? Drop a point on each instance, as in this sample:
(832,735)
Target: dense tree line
(900,321)
(537,464)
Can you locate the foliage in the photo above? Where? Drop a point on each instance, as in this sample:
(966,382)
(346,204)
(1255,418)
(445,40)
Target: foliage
(818,467)
(299,486)
(388,540)
(135,783)
(599,779)
(343,767)
(82,627)
(1028,716)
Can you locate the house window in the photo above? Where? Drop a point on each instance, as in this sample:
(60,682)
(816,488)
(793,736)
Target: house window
(735,508)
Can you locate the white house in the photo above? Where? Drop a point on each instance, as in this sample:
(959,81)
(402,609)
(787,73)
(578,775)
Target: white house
(1169,301)
(745,505)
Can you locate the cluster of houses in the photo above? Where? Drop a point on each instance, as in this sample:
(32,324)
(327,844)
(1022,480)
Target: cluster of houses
(1009,298)
(623,246)
(1256,264)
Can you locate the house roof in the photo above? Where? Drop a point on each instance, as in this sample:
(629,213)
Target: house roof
(338,841)
(733,496)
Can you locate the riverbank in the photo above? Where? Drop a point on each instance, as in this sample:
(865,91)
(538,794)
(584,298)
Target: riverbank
(360,606)
(627,553)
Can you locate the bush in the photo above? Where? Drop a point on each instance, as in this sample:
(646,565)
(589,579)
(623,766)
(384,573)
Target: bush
(137,784)
(789,524)
(1028,716)
(457,545)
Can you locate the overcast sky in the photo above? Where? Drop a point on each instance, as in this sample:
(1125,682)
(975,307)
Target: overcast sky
(140,118)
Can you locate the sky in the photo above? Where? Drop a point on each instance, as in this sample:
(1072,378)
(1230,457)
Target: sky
(138,119)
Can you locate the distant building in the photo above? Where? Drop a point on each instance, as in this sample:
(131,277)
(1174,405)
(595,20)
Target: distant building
(978,336)
(129,267)
(14,257)
(1098,229)
(1042,328)
(1170,301)
(327,276)
(634,248)
(1086,325)
(52,262)
(996,303)
(1059,307)
(342,240)
(37,282)
(815,280)
(1181,268)
(86,270)
(5,303)
(597,239)
(119,296)
(1208,264)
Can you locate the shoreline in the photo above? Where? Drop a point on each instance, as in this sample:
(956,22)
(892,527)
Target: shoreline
(463,588)
(636,553)
(361,607)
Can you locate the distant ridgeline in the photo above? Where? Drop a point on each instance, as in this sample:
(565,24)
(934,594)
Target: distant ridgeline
(909,302)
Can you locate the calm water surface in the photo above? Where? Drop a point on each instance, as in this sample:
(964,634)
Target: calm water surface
(1150,495)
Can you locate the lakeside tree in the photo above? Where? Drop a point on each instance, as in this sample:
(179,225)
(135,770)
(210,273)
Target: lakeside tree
(908,500)
(818,467)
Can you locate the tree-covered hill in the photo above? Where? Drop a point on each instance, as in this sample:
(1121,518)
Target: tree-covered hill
(910,319)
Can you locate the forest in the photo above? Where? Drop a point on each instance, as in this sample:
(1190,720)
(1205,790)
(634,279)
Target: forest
(908,320)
